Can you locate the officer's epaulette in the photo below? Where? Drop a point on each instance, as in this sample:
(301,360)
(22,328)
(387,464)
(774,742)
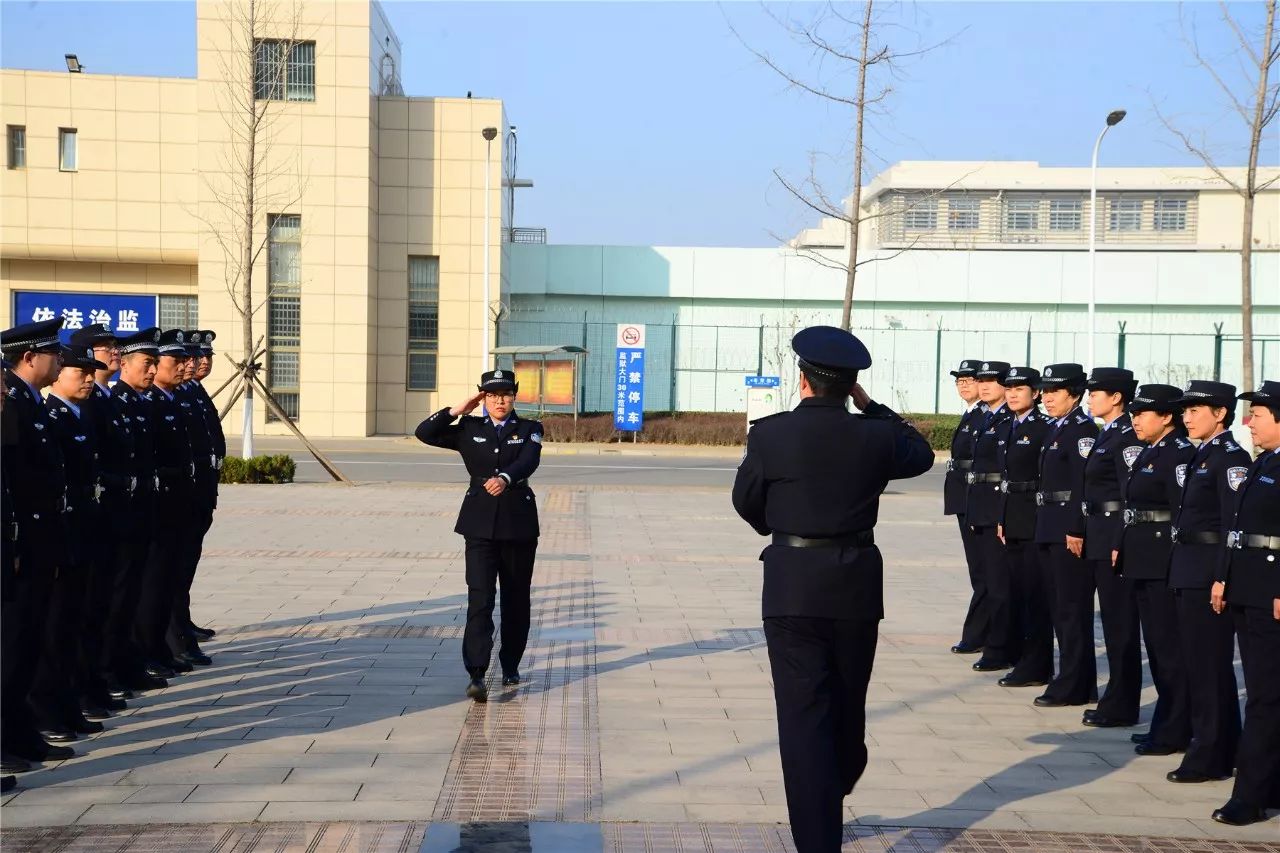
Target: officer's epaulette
(1230,445)
(1126,429)
(1083,419)
(1181,443)
(768,417)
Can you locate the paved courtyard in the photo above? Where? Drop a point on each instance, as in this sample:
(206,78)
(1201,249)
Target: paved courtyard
(333,718)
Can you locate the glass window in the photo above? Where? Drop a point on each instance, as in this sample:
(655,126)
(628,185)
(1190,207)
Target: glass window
(1065,214)
(424,322)
(284,70)
(17,146)
(1170,214)
(67,149)
(963,214)
(920,214)
(178,312)
(1126,214)
(284,311)
(1022,214)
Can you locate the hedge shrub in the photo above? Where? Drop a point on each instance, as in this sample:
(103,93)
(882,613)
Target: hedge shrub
(258,469)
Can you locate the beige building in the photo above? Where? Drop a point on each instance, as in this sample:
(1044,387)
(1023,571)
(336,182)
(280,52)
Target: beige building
(369,223)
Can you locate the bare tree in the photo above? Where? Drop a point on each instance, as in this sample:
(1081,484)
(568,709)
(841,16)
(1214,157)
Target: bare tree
(1256,107)
(842,46)
(258,72)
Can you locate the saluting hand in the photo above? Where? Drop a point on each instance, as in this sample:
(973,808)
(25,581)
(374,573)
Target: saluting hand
(1217,597)
(861,398)
(495,486)
(466,405)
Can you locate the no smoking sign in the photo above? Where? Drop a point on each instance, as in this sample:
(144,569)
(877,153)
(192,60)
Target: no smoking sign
(631,335)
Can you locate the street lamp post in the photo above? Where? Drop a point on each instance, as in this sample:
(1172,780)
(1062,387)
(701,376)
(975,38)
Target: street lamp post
(489,133)
(1113,118)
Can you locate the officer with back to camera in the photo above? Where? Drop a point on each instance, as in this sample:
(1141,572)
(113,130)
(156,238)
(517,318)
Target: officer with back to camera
(812,479)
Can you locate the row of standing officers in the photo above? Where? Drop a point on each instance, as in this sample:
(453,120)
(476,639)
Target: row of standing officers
(1162,515)
(108,492)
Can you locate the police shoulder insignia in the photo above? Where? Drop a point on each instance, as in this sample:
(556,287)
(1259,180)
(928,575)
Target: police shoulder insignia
(536,437)
(1082,419)
(1181,474)
(1182,443)
(1131,454)
(1235,476)
(1084,445)
(1231,445)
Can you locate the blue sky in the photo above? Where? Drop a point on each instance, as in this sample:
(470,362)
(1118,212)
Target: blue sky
(652,124)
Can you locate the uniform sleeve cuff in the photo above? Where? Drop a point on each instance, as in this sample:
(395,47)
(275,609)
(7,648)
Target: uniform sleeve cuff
(506,477)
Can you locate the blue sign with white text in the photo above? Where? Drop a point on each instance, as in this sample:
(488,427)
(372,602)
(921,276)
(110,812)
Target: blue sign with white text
(123,314)
(628,409)
(763,381)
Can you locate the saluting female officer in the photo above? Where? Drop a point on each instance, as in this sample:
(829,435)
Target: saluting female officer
(499,520)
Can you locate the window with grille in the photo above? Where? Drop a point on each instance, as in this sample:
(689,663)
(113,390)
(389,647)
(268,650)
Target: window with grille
(284,311)
(1125,214)
(1170,214)
(963,214)
(67,153)
(284,70)
(920,214)
(17,146)
(1065,214)
(178,312)
(424,322)
(1022,214)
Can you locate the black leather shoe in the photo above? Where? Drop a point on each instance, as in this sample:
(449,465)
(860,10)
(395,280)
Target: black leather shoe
(58,735)
(1149,748)
(510,678)
(477,691)
(1098,721)
(58,753)
(142,681)
(83,726)
(1190,777)
(34,750)
(1236,813)
(203,633)
(1010,681)
(196,658)
(1048,701)
(1140,737)
(157,670)
(963,648)
(984,665)
(177,664)
(119,693)
(7,784)
(13,764)
(93,711)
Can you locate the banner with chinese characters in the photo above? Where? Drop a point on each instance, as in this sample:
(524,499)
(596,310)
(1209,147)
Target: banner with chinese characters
(628,409)
(559,376)
(123,314)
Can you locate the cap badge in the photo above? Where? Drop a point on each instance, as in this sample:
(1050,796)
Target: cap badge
(156,336)
(497,374)
(179,337)
(1013,373)
(986,366)
(1048,371)
(88,353)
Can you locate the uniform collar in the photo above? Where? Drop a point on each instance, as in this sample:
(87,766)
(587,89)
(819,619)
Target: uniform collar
(1028,413)
(103,388)
(75,409)
(35,392)
(822,401)
(162,391)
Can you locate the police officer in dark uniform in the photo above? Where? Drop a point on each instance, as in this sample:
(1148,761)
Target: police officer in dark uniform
(1151,495)
(812,478)
(498,519)
(130,656)
(1102,515)
(1214,476)
(1021,480)
(982,513)
(9,620)
(39,492)
(955,495)
(1250,584)
(1066,448)
(203,366)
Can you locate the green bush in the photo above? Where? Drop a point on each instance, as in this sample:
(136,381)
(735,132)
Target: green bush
(258,469)
(938,429)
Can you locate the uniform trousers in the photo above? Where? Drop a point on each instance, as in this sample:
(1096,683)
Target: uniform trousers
(1072,586)
(190,548)
(820,669)
(15,724)
(55,687)
(1207,641)
(493,564)
(1171,720)
(1258,761)
(1004,634)
(119,655)
(1121,698)
(1031,588)
(974,632)
(162,573)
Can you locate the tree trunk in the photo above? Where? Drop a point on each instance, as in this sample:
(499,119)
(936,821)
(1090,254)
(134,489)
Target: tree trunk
(250,181)
(1250,191)
(855,216)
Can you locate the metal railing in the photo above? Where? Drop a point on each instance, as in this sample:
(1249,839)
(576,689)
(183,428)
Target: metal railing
(526,235)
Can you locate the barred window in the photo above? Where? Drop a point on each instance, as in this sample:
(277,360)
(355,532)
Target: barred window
(284,70)
(17,146)
(178,312)
(963,214)
(284,311)
(424,322)
(1022,214)
(1065,214)
(921,214)
(1125,214)
(1170,214)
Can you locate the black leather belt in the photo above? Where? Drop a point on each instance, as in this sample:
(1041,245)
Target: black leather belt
(1011,487)
(975,477)
(1196,537)
(959,464)
(861,539)
(1043,498)
(1100,507)
(1147,516)
(1240,540)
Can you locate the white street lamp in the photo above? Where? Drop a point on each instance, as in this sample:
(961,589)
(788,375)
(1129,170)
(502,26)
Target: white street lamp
(489,133)
(1113,118)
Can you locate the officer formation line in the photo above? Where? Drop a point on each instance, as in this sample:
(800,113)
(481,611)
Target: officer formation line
(108,493)
(1160,514)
